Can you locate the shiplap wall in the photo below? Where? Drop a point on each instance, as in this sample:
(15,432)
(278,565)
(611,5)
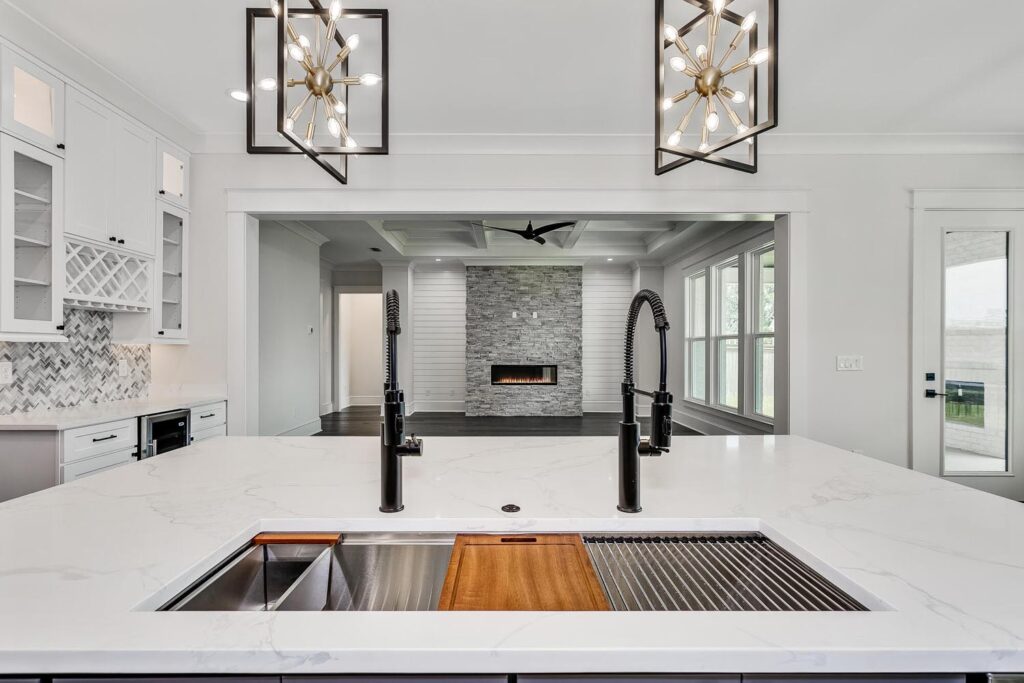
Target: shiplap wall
(439,315)
(607,292)
(439,349)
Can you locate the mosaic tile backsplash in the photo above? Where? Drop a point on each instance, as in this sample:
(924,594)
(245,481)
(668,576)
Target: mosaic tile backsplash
(84,370)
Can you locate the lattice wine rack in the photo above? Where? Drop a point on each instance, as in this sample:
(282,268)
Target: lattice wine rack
(104,280)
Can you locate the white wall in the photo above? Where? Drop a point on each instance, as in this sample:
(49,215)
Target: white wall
(289,332)
(439,355)
(361,349)
(857,294)
(326,340)
(607,291)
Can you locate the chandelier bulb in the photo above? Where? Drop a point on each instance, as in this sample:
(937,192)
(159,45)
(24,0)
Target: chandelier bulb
(717,6)
(702,51)
(369,79)
(748,22)
(275,7)
(296,52)
(667,104)
(339,106)
(353,41)
(704,147)
(351,143)
(335,11)
(674,139)
(334,126)
(677,64)
(738,97)
(760,57)
(304,42)
(713,121)
(742,129)
(289,124)
(267,84)
(671,33)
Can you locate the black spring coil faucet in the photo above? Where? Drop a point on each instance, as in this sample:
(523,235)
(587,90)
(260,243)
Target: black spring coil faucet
(393,443)
(631,447)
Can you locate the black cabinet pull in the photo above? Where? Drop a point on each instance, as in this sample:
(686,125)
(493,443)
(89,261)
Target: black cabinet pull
(60,327)
(60,145)
(163,191)
(112,239)
(203,417)
(120,241)
(105,438)
(160,332)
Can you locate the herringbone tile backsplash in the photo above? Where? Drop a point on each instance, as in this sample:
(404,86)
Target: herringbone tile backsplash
(84,370)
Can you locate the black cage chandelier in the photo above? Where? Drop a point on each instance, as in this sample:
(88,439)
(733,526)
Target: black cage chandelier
(324,88)
(718,92)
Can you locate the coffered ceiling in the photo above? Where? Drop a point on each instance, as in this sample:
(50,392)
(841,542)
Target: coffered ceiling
(535,70)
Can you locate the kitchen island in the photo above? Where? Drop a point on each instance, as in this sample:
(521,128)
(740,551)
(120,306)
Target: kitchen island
(85,566)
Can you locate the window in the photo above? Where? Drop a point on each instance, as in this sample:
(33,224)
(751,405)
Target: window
(696,341)
(730,332)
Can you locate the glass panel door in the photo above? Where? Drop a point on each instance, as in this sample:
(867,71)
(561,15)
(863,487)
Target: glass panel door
(975,346)
(33,102)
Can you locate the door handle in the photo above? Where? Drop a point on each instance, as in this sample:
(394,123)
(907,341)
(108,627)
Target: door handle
(931,393)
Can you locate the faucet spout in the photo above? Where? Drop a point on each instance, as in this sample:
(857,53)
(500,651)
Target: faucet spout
(393,443)
(631,446)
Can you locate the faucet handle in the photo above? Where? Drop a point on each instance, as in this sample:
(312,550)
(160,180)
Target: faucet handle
(412,446)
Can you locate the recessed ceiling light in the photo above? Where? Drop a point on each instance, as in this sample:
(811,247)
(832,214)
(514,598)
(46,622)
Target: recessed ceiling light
(437,260)
(239,95)
(611,259)
(267,84)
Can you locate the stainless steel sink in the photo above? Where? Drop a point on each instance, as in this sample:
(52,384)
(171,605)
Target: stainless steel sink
(364,572)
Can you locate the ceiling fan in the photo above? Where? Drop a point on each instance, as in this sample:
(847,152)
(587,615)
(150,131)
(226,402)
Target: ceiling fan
(531,233)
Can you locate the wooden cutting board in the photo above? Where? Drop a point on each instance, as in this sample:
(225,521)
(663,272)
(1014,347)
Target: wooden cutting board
(543,572)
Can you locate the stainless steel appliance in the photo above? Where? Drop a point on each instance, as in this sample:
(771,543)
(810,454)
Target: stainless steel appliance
(164,432)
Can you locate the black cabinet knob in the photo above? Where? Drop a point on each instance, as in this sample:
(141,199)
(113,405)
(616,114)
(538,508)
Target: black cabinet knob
(112,239)
(60,145)
(60,328)
(163,192)
(120,241)
(160,332)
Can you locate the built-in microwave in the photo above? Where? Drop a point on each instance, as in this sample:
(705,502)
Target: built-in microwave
(164,432)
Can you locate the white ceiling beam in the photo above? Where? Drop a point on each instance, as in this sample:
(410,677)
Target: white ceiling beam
(391,238)
(667,239)
(479,235)
(574,235)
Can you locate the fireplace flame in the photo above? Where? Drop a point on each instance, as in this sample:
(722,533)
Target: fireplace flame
(522,380)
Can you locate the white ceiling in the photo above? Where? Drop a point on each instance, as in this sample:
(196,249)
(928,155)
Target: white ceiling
(658,239)
(557,67)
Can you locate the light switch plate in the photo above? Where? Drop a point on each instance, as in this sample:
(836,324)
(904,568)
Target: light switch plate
(122,368)
(849,363)
(6,372)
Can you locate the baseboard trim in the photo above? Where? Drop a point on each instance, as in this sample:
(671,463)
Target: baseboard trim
(441,406)
(308,429)
(602,406)
(365,400)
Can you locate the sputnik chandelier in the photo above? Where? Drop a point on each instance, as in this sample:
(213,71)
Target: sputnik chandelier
(704,86)
(315,80)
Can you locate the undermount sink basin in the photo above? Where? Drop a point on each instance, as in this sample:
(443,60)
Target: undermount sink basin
(732,571)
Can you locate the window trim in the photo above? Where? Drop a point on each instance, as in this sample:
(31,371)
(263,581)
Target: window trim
(743,254)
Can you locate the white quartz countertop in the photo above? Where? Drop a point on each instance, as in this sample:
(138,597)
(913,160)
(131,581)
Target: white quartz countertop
(83,565)
(60,419)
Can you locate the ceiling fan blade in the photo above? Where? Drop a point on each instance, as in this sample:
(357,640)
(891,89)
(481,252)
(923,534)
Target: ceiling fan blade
(551,228)
(540,240)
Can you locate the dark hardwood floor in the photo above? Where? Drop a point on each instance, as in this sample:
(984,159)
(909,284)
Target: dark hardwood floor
(365,421)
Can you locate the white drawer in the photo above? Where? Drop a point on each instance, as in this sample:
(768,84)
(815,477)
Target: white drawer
(221,430)
(86,468)
(209,415)
(86,442)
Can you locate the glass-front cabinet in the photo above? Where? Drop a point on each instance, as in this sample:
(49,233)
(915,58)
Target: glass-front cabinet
(31,102)
(172,174)
(31,240)
(171,306)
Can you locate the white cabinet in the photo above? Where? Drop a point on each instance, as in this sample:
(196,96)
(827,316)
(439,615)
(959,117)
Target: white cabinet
(134,176)
(171,303)
(31,242)
(110,175)
(31,102)
(172,174)
(90,168)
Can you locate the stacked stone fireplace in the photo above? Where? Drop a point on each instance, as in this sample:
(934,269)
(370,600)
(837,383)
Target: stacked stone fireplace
(518,364)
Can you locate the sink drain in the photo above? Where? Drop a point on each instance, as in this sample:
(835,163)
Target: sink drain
(510,508)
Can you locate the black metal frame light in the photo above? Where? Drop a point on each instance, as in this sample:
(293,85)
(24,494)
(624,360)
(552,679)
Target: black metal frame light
(318,153)
(670,157)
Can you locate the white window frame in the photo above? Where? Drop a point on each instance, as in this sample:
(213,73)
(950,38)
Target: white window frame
(690,338)
(743,255)
(753,321)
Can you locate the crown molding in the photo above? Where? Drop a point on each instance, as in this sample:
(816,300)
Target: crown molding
(305,232)
(771,144)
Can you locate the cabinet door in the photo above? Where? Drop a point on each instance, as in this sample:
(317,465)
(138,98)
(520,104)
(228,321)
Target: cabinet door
(170,309)
(31,239)
(32,102)
(172,174)
(90,168)
(134,149)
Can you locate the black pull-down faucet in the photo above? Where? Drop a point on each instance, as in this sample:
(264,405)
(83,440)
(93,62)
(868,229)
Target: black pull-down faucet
(393,443)
(630,445)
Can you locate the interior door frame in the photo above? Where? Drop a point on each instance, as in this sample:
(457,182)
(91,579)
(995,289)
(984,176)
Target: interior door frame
(925,203)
